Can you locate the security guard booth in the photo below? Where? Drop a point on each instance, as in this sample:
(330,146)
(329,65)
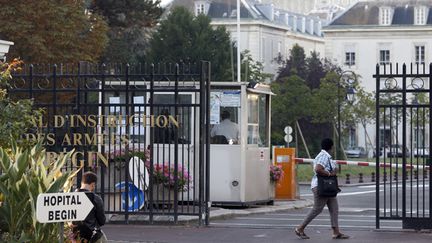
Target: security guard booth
(239,168)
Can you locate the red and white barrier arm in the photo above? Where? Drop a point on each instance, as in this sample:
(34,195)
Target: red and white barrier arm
(360,163)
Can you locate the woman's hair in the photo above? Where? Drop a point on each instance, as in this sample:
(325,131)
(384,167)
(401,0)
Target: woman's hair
(326,144)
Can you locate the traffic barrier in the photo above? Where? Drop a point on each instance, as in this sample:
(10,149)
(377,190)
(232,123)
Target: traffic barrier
(347,179)
(361,178)
(358,163)
(373,177)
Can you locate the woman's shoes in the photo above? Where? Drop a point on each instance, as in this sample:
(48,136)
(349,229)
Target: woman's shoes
(341,236)
(301,235)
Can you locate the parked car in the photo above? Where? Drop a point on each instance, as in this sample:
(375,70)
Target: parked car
(355,152)
(380,152)
(396,150)
(421,152)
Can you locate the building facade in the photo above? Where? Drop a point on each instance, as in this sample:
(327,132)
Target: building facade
(379,32)
(266,30)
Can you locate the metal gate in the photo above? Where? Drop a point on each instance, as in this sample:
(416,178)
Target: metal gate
(144,129)
(403,143)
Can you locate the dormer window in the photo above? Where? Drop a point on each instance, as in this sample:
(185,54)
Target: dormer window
(201,7)
(420,14)
(385,16)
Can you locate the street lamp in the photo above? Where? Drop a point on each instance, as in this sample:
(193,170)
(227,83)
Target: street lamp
(348,79)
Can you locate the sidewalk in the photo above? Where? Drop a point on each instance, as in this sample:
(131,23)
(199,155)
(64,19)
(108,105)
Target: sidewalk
(188,234)
(216,213)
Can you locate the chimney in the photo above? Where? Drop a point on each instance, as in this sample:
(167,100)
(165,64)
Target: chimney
(303,25)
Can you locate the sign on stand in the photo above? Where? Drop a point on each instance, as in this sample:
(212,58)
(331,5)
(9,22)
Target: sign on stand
(62,207)
(288,137)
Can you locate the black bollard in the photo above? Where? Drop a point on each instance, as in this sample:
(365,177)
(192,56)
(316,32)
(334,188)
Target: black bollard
(407,175)
(385,176)
(415,174)
(373,177)
(395,177)
(425,175)
(347,179)
(361,178)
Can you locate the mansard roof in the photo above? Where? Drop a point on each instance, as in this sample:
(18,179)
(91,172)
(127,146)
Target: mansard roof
(367,13)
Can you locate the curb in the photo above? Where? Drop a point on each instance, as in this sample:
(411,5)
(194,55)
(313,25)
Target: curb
(219,213)
(280,206)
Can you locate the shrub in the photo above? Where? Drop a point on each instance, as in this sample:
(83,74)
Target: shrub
(24,177)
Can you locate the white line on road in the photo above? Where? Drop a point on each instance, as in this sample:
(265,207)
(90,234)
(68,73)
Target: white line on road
(347,193)
(322,215)
(295,225)
(394,185)
(316,219)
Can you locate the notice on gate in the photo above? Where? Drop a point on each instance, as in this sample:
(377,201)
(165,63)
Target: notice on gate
(62,207)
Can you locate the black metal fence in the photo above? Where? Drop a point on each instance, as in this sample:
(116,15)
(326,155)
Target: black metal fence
(144,129)
(403,143)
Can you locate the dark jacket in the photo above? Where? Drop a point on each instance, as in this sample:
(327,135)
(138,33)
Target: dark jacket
(96,217)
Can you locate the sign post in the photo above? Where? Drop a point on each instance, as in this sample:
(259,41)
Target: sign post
(288,137)
(62,207)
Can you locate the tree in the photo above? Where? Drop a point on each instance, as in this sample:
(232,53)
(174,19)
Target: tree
(16,117)
(130,24)
(52,31)
(184,38)
(311,70)
(251,70)
(362,111)
(289,106)
(294,65)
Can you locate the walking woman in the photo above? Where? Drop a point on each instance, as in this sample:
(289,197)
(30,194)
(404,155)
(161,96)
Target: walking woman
(323,166)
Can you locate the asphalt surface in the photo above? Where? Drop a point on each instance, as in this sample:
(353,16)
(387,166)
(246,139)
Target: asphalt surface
(357,219)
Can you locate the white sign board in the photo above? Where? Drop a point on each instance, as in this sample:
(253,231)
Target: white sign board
(62,207)
(288,138)
(215,103)
(231,99)
(288,130)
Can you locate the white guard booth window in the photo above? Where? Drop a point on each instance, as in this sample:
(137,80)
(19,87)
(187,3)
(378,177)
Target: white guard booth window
(240,151)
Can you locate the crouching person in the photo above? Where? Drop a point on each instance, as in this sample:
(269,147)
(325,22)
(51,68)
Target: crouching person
(89,230)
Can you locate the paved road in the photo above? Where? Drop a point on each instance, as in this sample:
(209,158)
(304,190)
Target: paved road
(357,218)
(357,212)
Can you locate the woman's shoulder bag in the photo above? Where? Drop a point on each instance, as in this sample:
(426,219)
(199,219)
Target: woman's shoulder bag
(328,185)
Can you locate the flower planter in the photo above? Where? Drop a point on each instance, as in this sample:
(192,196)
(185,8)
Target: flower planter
(272,189)
(163,196)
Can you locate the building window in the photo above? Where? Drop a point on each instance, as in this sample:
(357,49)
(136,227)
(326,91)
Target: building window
(200,8)
(420,54)
(350,58)
(385,16)
(420,15)
(384,57)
